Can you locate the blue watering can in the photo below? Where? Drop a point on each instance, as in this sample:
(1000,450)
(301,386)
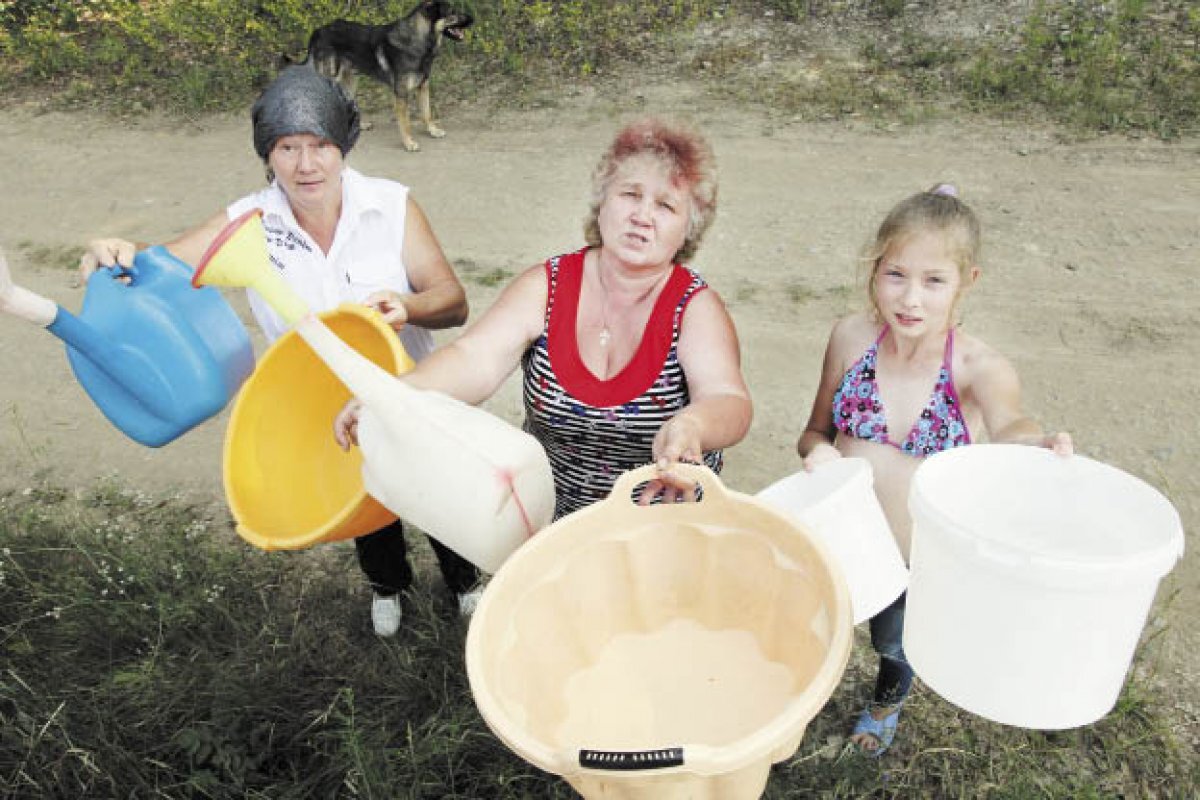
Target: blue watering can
(156,356)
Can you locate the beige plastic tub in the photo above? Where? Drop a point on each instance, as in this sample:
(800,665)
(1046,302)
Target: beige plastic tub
(668,651)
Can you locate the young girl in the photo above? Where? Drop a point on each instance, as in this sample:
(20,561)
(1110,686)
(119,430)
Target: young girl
(900,383)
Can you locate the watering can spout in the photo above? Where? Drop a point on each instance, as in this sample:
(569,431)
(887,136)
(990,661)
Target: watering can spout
(77,333)
(129,374)
(238,257)
(371,384)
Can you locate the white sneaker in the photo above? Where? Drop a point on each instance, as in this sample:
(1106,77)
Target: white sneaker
(467,601)
(385,614)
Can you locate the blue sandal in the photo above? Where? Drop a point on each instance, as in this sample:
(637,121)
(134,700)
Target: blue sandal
(883,730)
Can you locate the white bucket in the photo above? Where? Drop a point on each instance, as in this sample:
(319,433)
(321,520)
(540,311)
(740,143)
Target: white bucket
(837,502)
(1032,576)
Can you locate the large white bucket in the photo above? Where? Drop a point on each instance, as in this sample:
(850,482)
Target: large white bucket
(837,502)
(1032,576)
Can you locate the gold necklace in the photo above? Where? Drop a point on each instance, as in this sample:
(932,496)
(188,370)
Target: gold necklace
(605,334)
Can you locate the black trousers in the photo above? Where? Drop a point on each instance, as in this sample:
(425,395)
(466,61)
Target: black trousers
(383,556)
(895,675)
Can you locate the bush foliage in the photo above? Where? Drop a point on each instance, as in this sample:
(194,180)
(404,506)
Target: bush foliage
(1124,65)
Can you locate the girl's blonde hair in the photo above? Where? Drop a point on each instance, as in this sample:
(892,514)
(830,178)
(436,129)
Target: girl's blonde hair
(936,210)
(687,157)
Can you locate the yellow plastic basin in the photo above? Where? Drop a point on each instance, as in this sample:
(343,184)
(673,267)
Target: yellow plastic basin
(287,482)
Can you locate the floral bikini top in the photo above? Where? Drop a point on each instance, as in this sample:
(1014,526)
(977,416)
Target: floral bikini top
(858,411)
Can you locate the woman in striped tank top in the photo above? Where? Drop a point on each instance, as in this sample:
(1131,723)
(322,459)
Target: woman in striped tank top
(628,357)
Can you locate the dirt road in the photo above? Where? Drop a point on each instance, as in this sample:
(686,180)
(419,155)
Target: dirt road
(1091,254)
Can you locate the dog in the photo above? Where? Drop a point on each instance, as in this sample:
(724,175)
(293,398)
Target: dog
(399,54)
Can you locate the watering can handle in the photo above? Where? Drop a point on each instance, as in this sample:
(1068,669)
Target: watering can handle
(129,271)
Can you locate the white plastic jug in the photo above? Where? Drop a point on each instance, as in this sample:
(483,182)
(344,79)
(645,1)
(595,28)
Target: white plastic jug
(478,485)
(1032,576)
(469,479)
(837,502)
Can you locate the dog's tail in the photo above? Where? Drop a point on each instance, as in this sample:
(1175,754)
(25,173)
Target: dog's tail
(284,61)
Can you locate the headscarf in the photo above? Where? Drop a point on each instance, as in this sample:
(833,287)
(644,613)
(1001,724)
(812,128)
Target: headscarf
(300,100)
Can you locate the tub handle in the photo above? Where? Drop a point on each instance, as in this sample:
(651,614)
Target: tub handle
(631,760)
(714,490)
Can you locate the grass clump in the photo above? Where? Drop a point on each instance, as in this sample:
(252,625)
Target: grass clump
(50,256)
(1125,66)
(1128,65)
(148,652)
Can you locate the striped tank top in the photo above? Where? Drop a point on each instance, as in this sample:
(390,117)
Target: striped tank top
(593,430)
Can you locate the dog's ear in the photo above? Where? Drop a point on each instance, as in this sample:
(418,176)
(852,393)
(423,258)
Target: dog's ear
(437,9)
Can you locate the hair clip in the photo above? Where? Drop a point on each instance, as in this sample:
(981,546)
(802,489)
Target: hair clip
(945,189)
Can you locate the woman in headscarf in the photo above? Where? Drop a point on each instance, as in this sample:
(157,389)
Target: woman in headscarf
(338,236)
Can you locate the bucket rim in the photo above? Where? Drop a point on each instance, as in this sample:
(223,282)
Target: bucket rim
(1153,561)
(852,523)
(856,469)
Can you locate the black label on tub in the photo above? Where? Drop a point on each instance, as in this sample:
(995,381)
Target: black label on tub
(631,759)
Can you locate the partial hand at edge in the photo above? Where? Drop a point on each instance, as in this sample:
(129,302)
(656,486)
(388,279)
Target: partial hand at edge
(821,454)
(390,305)
(1060,443)
(677,440)
(345,424)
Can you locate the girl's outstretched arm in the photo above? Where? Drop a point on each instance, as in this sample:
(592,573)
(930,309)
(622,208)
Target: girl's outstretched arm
(998,391)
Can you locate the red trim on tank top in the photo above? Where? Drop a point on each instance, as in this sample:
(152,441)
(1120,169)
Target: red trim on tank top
(643,369)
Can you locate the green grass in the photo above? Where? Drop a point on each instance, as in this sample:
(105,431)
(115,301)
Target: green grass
(149,652)
(497,276)
(1126,66)
(480,275)
(1129,66)
(50,256)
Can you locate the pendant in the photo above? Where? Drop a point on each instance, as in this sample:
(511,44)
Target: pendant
(604,337)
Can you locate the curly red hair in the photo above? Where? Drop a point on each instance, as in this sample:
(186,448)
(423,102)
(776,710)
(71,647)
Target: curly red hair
(688,159)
